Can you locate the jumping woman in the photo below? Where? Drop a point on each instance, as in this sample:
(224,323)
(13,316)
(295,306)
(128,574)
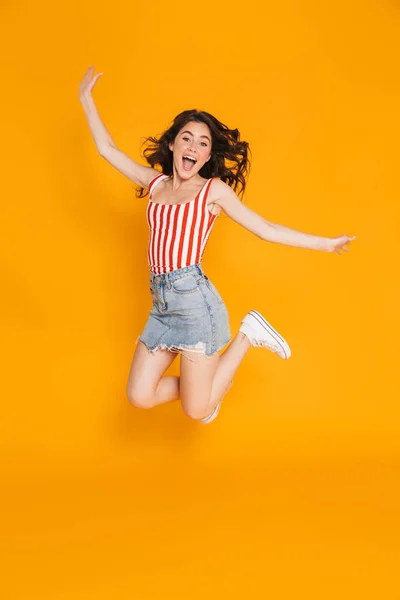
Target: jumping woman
(202,169)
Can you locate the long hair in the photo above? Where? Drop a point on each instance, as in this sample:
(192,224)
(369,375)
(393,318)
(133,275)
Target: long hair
(229,155)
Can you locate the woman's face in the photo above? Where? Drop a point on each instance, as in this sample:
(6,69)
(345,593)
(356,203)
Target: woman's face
(191,148)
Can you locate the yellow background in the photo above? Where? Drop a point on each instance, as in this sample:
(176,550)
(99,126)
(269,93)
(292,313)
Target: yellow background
(293,491)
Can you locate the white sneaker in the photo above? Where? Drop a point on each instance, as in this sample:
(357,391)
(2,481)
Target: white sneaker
(215,412)
(213,415)
(260,333)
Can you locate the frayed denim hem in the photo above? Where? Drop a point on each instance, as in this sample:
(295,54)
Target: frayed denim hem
(192,353)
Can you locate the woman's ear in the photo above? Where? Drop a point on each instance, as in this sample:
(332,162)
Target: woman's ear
(171,146)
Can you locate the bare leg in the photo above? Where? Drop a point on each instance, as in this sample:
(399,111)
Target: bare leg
(229,363)
(146,386)
(168,387)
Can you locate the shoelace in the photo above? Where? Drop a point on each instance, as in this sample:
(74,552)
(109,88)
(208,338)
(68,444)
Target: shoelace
(272,347)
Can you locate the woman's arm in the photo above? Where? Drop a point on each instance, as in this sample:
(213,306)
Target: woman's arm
(137,173)
(272,232)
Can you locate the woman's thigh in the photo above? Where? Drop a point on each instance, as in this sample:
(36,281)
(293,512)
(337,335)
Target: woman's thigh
(146,370)
(196,379)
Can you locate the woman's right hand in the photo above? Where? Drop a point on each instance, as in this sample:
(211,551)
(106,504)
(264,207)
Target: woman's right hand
(88,83)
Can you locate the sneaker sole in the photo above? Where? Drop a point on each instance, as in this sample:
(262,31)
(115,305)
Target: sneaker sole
(213,415)
(273,333)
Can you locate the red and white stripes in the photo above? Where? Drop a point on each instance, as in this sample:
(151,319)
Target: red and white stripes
(178,232)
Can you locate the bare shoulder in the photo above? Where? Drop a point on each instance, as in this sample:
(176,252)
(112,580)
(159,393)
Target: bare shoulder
(148,175)
(225,199)
(221,193)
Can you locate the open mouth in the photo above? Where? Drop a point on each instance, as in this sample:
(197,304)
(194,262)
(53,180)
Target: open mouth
(188,162)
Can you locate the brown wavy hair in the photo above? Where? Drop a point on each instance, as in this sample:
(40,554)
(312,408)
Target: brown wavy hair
(230,157)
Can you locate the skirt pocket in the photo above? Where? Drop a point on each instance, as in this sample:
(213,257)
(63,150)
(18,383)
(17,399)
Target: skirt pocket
(185,285)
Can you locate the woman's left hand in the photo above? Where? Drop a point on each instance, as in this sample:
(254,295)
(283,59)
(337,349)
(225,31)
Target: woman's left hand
(338,244)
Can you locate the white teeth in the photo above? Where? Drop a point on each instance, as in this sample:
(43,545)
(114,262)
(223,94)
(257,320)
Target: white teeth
(190,158)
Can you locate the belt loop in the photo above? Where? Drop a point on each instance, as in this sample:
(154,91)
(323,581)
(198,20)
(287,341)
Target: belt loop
(200,272)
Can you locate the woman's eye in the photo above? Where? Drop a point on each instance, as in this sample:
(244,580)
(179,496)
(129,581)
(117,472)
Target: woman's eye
(185,139)
(203,143)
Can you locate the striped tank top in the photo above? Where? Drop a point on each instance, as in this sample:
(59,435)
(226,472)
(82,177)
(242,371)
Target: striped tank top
(178,232)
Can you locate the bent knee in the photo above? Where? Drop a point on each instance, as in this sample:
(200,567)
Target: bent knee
(196,412)
(140,398)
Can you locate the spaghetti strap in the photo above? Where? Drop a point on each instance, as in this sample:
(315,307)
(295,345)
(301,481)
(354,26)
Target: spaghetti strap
(154,183)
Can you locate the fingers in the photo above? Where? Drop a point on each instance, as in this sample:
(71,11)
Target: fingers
(340,243)
(89,73)
(341,249)
(88,80)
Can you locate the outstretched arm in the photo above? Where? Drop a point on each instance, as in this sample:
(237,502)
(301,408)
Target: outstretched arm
(272,232)
(137,173)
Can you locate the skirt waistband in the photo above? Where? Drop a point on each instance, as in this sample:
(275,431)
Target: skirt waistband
(176,273)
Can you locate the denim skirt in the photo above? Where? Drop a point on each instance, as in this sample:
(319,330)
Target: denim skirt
(188,313)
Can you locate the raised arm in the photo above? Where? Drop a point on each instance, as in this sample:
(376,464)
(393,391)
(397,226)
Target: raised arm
(272,232)
(137,173)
